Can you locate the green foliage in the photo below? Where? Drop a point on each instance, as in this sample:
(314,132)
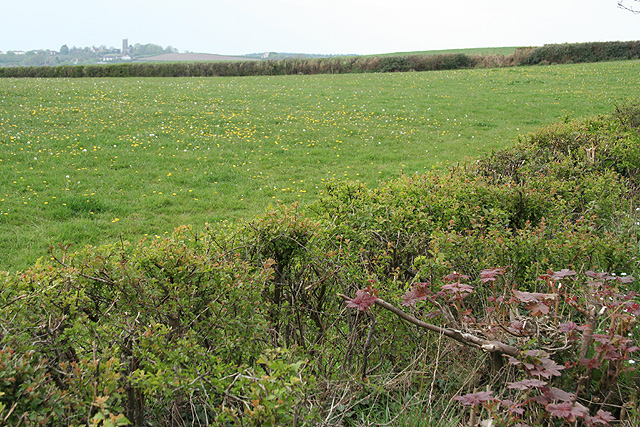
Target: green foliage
(337,65)
(226,148)
(32,393)
(174,322)
(240,324)
(277,390)
(583,52)
(602,151)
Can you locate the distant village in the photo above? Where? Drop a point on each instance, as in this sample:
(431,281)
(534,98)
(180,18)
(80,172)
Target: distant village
(80,56)
(127,53)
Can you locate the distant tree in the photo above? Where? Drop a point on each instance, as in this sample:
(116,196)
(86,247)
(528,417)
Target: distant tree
(633,9)
(149,49)
(170,49)
(64,50)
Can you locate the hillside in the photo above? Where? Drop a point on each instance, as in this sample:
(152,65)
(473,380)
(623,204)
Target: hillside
(194,57)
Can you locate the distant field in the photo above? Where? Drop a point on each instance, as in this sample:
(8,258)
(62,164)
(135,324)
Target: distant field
(472,51)
(193,57)
(92,160)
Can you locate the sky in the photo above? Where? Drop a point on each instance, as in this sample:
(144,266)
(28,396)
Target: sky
(236,27)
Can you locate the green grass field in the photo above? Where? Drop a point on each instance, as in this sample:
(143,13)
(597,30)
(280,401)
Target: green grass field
(507,50)
(90,161)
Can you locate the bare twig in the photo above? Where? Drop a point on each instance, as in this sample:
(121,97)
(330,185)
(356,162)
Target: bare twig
(630,9)
(460,336)
(365,350)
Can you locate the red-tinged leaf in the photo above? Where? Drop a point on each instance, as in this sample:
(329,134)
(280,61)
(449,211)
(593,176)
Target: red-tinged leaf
(593,363)
(475,399)
(594,275)
(551,368)
(542,399)
(490,274)
(455,276)
(567,410)
(605,416)
(517,328)
(538,363)
(525,296)
(513,407)
(499,299)
(419,292)
(537,308)
(558,394)
(559,275)
(362,301)
(567,327)
(409,298)
(632,308)
(537,354)
(562,410)
(526,384)
(513,361)
(538,296)
(458,288)
(601,338)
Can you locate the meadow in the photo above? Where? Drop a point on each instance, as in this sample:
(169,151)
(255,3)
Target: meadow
(507,50)
(88,161)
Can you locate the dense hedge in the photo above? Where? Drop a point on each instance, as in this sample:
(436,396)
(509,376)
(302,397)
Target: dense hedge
(253,68)
(240,325)
(581,52)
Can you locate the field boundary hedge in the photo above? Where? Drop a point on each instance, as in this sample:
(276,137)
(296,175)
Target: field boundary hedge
(548,54)
(525,256)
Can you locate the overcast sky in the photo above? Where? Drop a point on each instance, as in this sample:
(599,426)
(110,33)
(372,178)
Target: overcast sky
(312,26)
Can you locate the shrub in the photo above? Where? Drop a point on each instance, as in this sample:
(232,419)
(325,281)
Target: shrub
(583,52)
(570,345)
(240,324)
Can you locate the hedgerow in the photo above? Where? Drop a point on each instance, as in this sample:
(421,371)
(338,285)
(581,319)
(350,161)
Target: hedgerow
(548,54)
(514,274)
(583,52)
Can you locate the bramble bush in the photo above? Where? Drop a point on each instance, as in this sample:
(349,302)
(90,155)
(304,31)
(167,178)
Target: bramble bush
(568,348)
